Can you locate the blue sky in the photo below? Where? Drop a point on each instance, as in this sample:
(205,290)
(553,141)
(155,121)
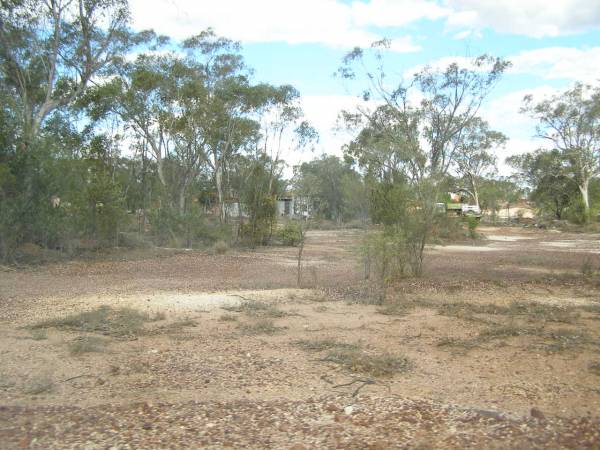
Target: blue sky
(551,43)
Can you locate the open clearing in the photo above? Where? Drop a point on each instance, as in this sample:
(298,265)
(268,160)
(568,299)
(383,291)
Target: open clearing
(497,346)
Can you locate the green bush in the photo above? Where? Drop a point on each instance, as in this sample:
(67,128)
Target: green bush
(219,248)
(291,234)
(472,224)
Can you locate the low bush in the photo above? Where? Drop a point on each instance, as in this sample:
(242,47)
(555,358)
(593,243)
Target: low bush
(105,320)
(291,234)
(376,365)
(87,344)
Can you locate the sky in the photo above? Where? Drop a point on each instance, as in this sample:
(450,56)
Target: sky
(551,44)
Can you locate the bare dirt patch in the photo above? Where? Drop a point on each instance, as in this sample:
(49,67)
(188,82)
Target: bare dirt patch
(228,351)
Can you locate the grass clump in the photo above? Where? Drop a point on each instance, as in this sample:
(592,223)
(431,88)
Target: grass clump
(87,344)
(262,326)
(534,311)
(228,318)
(39,385)
(219,248)
(39,334)
(594,367)
(587,269)
(320,345)
(395,309)
(594,309)
(256,309)
(463,344)
(510,330)
(377,365)
(105,320)
(565,340)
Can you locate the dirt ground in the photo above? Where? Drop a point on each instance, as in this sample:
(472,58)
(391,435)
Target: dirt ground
(497,346)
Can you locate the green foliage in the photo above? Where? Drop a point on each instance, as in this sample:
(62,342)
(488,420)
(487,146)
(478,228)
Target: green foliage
(494,193)
(291,233)
(105,320)
(336,192)
(259,198)
(189,120)
(385,255)
(171,228)
(408,220)
(570,120)
(552,189)
(472,224)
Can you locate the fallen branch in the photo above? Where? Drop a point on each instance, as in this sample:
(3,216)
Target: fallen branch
(78,376)
(357,390)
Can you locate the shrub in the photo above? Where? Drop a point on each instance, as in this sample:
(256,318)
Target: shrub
(39,385)
(262,326)
(586,267)
(105,320)
(374,365)
(472,224)
(291,234)
(87,344)
(220,248)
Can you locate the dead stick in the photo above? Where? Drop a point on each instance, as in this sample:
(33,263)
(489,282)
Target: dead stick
(78,376)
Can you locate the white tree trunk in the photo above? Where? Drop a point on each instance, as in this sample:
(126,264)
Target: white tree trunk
(583,188)
(219,183)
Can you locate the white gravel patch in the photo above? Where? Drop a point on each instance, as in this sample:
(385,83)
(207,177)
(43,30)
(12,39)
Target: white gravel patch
(466,248)
(498,237)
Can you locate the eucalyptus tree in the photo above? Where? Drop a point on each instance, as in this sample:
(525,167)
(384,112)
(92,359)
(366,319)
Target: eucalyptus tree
(190,104)
(570,121)
(428,113)
(147,95)
(282,125)
(334,188)
(474,155)
(545,173)
(411,130)
(50,50)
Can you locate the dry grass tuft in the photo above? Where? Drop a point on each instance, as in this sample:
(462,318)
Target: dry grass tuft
(594,367)
(39,334)
(531,311)
(228,318)
(262,326)
(320,345)
(105,320)
(377,365)
(257,309)
(87,344)
(40,384)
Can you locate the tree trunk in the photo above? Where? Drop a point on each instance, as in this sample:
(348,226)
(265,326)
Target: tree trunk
(583,188)
(475,194)
(219,183)
(182,200)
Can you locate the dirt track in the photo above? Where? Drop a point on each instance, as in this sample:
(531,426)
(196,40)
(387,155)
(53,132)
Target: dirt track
(207,382)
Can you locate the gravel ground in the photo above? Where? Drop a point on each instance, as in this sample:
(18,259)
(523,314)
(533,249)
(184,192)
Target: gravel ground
(211,385)
(376,423)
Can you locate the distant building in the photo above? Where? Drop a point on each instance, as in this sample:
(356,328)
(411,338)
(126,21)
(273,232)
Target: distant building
(521,209)
(293,206)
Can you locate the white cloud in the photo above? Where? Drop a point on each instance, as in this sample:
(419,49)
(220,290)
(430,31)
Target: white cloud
(503,115)
(550,63)
(327,22)
(559,63)
(346,25)
(395,13)
(535,18)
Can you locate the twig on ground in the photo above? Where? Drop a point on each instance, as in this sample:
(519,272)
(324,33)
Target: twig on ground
(325,379)
(78,376)
(364,382)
